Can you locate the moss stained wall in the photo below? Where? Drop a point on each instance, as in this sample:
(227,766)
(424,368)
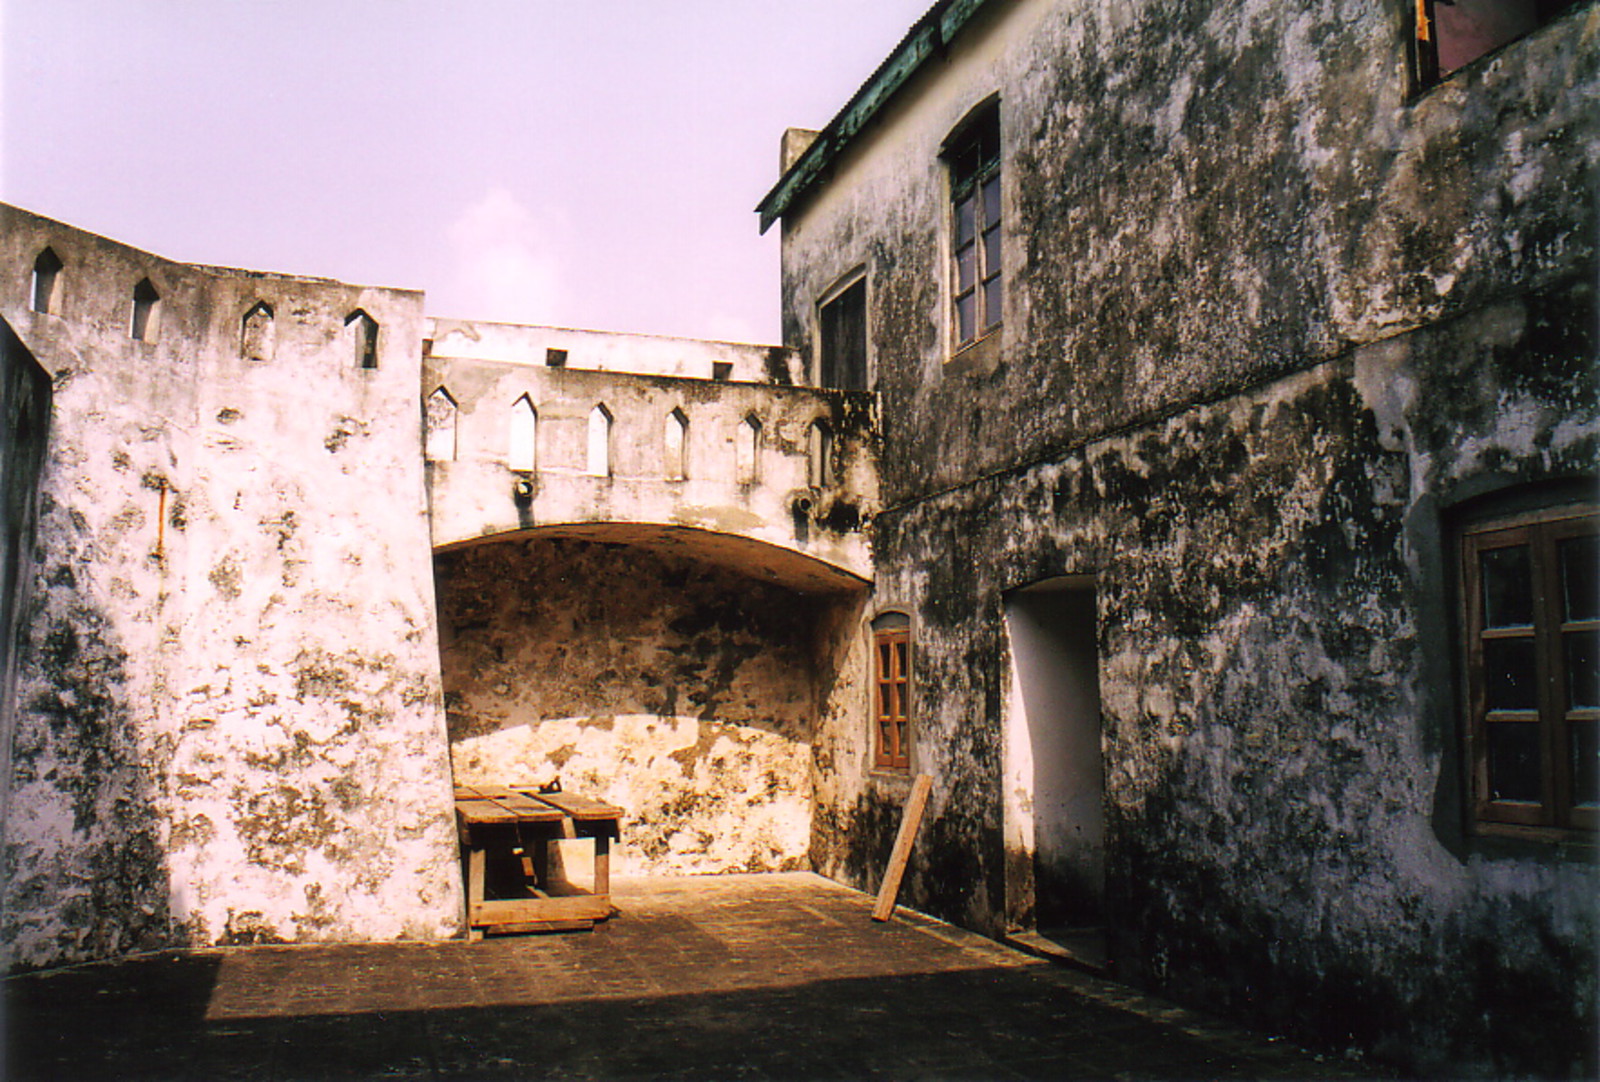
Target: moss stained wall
(230,726)
(1267,321)
(681,690)
(25,405)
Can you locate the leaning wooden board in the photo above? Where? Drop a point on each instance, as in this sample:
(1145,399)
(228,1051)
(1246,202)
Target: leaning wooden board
(507,820)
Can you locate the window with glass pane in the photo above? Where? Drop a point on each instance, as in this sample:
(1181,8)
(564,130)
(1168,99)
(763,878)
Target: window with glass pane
(891,643)
(974,159)
(1450,34)
(1532,616)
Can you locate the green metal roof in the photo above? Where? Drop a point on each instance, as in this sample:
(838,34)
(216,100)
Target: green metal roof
(926,39)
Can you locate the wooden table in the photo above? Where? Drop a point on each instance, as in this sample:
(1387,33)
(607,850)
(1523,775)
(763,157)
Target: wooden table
(514,825)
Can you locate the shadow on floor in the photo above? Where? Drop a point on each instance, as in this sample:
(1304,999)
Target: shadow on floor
(970,1024)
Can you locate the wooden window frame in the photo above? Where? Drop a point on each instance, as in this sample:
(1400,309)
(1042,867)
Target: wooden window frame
(1424,32)
(1555,815)
(891,694)
(973,157)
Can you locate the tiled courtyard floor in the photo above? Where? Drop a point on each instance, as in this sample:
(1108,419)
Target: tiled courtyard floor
(736,977)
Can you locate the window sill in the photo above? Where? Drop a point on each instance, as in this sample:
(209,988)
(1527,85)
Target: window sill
(978,358)
(1514,840)
(890,775)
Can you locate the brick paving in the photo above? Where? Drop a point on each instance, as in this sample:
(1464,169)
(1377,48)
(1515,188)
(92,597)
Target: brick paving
(728,977)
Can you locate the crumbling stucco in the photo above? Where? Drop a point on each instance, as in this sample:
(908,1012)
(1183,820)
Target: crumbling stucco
(229,723)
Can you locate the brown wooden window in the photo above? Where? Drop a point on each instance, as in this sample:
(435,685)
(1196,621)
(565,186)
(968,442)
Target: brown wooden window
(1532,619)
(973,155)
(1451,34)
(891,645)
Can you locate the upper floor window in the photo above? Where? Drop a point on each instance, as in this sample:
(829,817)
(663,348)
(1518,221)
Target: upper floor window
(46,275)
(973,157)
(1531,600)
(842,349)
(1451,34)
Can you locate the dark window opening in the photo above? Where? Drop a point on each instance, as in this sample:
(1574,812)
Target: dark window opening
(973,156)
(722,371)
(1450,34)
(364,331)
(142,327)
(891,691)
(842,356)
(46,273)
(1531,600)
(555,358)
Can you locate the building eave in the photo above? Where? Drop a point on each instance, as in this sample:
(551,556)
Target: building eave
(926,39)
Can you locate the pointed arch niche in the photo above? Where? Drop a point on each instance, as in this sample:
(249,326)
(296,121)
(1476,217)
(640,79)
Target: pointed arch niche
(676,437)
(599,457)
(364,338)
(257,333)
(439,426)
(747,451)
(522,453)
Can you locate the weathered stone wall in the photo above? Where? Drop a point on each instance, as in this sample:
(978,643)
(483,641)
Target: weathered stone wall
(230,724)
(680,689)
(25,405)
(1266,321)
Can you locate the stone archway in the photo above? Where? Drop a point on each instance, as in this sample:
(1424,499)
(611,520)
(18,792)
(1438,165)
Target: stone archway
(674,672)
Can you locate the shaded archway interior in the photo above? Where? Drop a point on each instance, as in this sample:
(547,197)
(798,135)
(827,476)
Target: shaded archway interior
(676,673)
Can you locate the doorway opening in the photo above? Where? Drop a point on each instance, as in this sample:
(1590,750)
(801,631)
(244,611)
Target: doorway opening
(1055,771)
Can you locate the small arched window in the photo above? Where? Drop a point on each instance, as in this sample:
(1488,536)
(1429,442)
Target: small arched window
(364,338)
(439,427)
(747,450)
(256,333)
(46,276)
(599,459)
(523,453)
(819,454)
(677,441)
(143,322)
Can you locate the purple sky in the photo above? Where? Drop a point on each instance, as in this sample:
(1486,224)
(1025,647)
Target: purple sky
(589,163)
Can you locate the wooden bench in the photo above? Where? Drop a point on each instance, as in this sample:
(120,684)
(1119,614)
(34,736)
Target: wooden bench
(514,825)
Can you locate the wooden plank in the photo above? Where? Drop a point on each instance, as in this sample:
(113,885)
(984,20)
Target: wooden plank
(534,926)
(478,812)
(515,910)
(475,873)
(909,822)
(580,807)
(466,792)
(602,865)
(528,810)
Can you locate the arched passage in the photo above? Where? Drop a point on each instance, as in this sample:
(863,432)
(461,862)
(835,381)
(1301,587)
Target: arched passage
(675,672)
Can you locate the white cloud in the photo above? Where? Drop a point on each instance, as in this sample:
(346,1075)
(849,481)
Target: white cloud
(506,265)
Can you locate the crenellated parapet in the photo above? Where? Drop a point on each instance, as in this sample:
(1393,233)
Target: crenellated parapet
(513,446)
